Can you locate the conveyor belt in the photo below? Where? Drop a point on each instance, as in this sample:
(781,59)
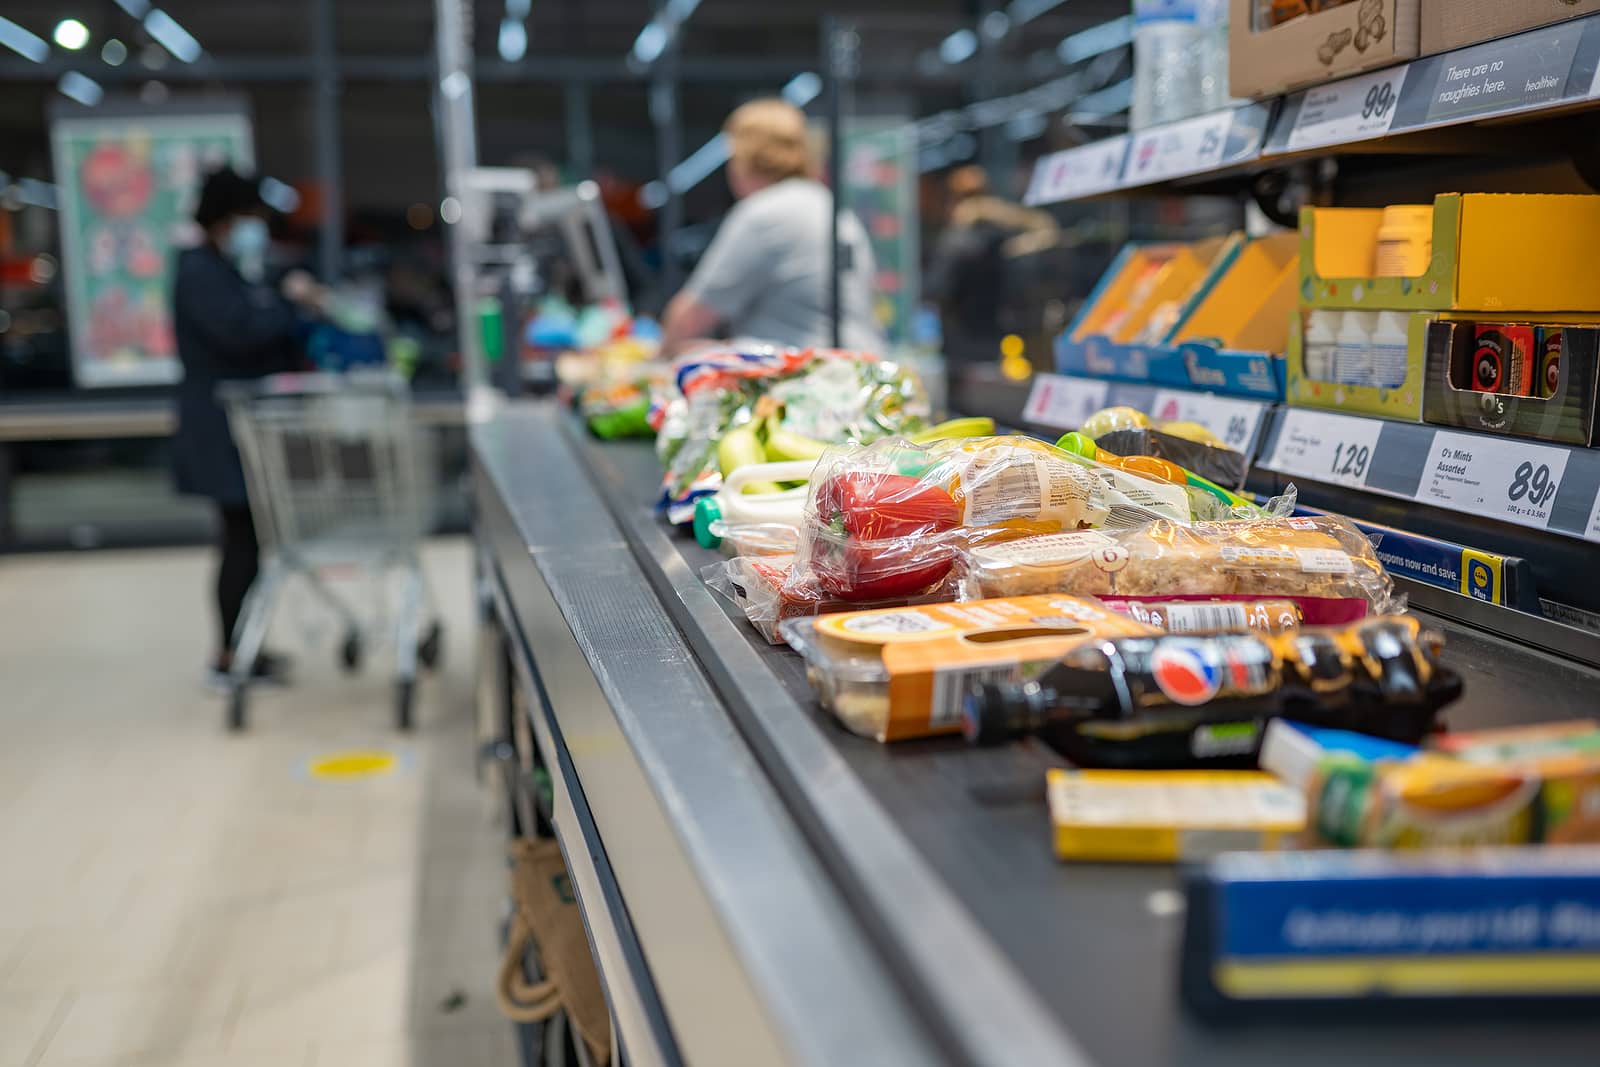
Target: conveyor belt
(1099,943)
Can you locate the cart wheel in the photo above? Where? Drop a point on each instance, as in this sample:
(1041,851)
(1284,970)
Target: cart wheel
(350,652)
(236,709)
(404,695)
(431,647)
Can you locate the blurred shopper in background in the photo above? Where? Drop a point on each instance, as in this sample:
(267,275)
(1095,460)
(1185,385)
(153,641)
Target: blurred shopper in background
(967,279)
(766,273)
(229,328)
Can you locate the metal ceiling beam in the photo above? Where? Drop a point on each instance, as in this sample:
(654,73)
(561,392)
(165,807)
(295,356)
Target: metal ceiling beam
(535,69)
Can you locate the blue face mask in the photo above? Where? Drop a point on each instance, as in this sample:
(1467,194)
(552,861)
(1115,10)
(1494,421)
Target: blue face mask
(248,239)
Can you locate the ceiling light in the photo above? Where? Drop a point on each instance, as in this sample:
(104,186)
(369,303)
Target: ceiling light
(136,8)
(958,47)
(650,43)
(450,211)
(1096,40)
(80,87)
(517,9)
(114,52)
(71,34)
(995,25)
(1027,10)
(513,40)
(802,88)
(23,43)
(171,36)
(279,196)
(653,195)
(698,166)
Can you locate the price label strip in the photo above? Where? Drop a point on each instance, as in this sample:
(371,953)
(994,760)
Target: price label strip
(1356,109)
(1063,403)
(1592,531)
(1234,421)
(1337,449)
(1177,149)
(1079,172)
(1497,477)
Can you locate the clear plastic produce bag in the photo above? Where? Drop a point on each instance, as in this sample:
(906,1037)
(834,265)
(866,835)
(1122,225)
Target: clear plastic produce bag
(888,520)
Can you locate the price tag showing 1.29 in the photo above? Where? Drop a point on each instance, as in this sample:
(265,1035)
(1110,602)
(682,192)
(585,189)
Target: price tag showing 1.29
(1494,476)
(1063,403)
(1352,110)
(1337,449)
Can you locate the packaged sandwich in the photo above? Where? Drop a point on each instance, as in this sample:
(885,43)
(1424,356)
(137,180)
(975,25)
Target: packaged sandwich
(1323,563)
(898,673)
(889,519)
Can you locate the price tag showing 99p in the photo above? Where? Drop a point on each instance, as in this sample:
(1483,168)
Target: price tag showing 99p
(1352,110)
(1233,421)
(1498,477)
(1336,449)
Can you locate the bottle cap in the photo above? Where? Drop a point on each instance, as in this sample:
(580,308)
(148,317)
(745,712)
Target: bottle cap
(706,512)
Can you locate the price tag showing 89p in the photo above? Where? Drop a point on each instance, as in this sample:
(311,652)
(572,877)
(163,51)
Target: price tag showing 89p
(1352,110)
(1492,476)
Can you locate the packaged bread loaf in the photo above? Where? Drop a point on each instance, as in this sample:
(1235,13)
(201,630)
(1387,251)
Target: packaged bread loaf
(1311,558)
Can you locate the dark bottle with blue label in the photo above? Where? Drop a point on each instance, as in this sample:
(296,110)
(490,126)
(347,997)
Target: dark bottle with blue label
(1181,700)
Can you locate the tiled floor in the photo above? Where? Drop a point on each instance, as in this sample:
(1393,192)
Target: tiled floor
(172,895)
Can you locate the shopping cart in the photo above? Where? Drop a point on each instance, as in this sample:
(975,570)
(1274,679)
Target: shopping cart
(339,480)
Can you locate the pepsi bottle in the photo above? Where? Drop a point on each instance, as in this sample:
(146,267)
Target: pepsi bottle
(1175,701)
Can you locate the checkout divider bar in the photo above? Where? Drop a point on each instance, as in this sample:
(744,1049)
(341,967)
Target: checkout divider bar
(968,993)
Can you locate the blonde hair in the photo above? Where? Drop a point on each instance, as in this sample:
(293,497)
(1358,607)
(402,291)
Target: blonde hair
(768,139)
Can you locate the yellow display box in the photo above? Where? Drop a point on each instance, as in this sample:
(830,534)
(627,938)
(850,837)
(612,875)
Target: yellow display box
(1402,402)
(1491,252)
(1144,279)
(1247,307)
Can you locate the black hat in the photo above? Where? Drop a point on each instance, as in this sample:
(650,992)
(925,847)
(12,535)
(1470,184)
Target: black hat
(226,192)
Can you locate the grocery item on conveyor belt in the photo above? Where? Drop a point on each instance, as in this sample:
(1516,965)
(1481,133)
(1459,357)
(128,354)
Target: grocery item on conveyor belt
(1322,562)
(899,673)
(751,402)
(1166,816)
(1176,701)
(888,519)
(758,586)
(1521,785)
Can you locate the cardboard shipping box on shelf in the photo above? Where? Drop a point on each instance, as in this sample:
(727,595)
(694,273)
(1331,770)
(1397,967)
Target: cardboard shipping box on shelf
(1224,335)
(1567,415)
(1448,24)
(1265,60)
(1492,252)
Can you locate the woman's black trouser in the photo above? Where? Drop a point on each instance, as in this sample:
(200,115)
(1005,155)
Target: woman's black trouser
(241,558)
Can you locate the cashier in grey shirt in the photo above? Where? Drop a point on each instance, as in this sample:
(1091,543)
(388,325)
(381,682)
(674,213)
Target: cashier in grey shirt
(765,276)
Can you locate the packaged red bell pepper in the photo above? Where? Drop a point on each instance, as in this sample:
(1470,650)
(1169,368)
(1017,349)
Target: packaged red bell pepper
(889,520)
(882,535)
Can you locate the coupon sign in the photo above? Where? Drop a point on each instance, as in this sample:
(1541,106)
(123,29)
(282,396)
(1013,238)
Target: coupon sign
(1233,421)
(1063,403)
(1493,476)
(1079,172)
(1356,109)
(1177,148)
(1337,449)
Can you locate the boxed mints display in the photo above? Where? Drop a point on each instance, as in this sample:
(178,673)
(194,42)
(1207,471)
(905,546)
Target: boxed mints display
(1522,379)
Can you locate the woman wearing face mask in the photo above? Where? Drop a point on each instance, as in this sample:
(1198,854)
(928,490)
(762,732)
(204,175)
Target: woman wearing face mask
(229,327)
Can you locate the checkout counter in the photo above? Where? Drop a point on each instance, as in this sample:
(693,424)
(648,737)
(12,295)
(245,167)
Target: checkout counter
(761,887)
